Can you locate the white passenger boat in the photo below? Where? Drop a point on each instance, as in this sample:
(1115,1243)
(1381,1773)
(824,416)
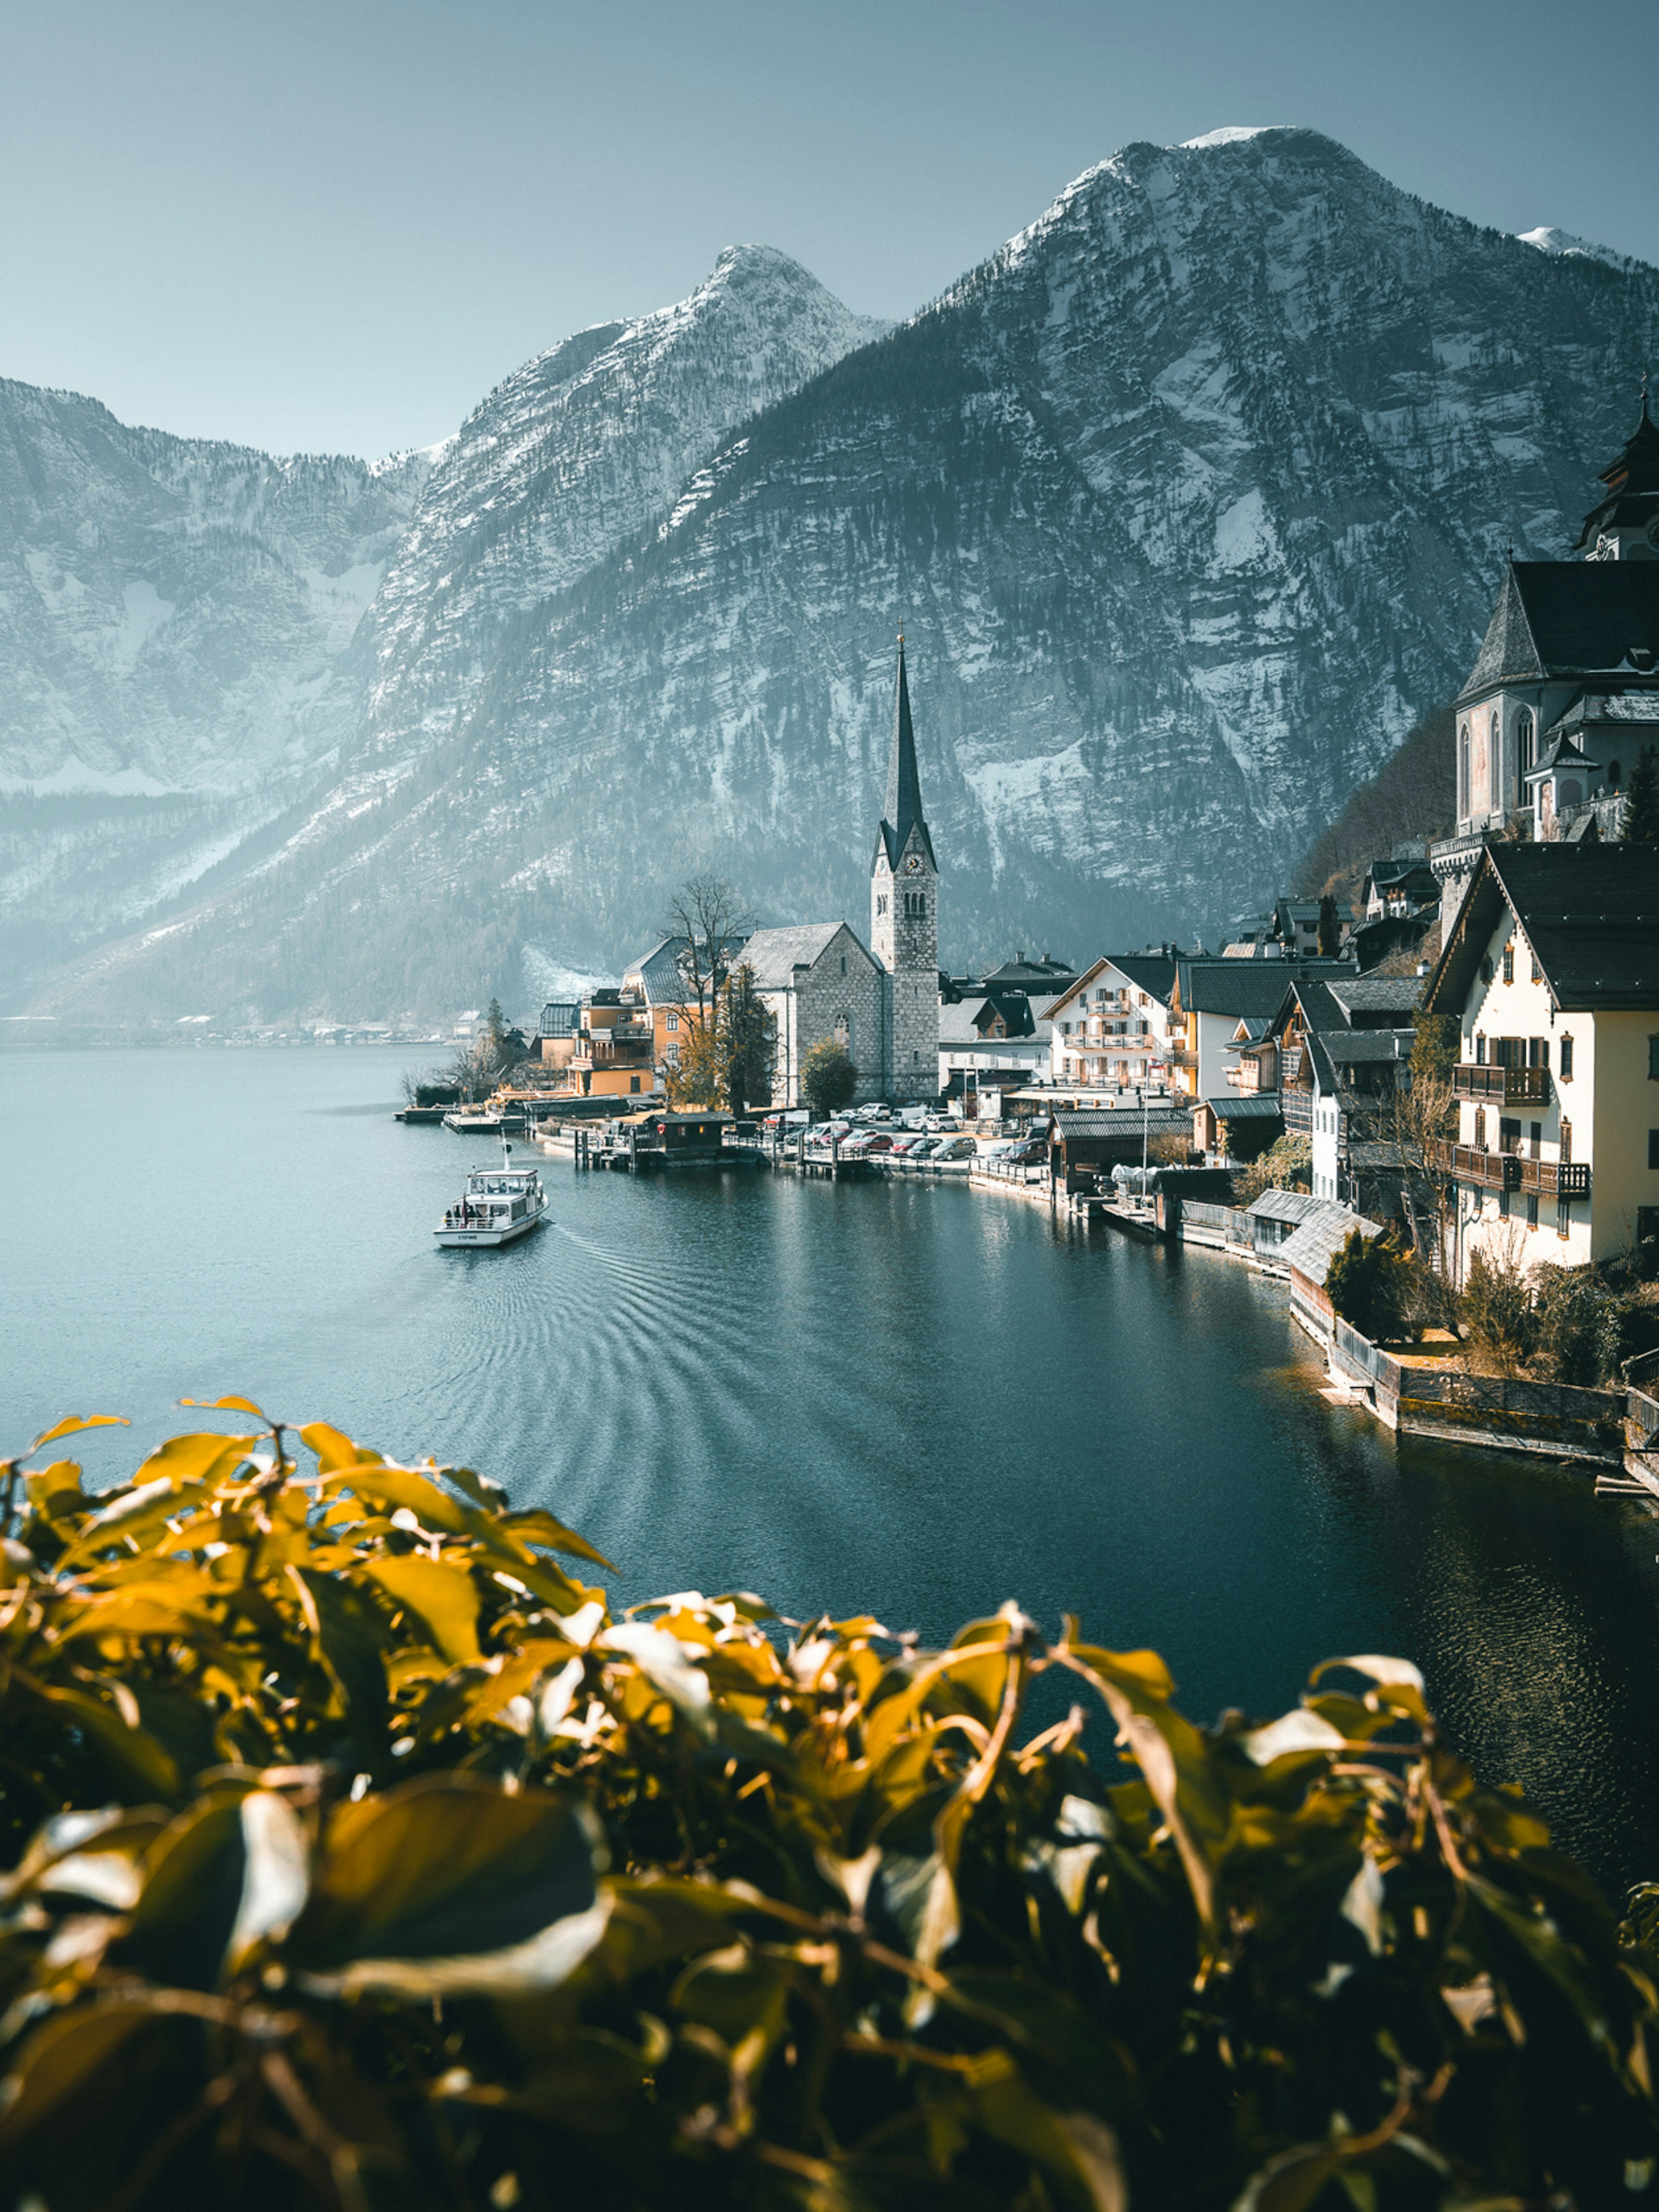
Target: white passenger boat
(498,1205)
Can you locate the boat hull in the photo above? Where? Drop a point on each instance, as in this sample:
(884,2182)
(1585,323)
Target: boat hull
(456,1238)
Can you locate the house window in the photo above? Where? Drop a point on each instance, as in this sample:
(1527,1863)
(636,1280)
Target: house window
(881,902)
(633,1082)
(1532,1209)
(1479,1048)
(1537,972)
(673,1024)
(674,1055)
(1563,1216)
(1509,963)
(1567,1141)
(1481,1128)
(1495,759)
(843,963)
(1566,1058)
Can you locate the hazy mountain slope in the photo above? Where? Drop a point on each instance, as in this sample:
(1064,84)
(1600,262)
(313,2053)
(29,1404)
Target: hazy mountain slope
(174,612)
(571,457)
(186,617)
(1191,500)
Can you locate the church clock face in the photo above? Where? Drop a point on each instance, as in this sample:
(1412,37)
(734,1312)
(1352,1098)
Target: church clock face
(913,865)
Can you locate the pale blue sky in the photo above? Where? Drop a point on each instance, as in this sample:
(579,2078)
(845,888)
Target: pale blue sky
(333,227)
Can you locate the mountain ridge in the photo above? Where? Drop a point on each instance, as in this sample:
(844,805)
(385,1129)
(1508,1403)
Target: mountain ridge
(1190,499)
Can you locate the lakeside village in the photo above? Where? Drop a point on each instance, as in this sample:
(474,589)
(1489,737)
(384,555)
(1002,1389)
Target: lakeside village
(1439,1119)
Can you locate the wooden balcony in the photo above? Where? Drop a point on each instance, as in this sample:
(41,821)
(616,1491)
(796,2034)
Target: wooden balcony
(1511,1170)
(1502,1087)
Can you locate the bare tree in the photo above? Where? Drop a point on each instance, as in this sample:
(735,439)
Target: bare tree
(708,914)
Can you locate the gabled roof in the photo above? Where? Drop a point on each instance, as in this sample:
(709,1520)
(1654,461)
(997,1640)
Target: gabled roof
(1560,753)
(1287,1206)
(659,971)
(1590,913)
(1366,995)
(774,955)
(1246,986)
(1310,1249)
(1019,974)
(1267,1106)
(1566,618)
(1595,708)
(1125,1122)
(1151,972)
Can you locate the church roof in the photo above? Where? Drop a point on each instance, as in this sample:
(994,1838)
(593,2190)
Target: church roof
(1632,481)
(1560,753)
(663,978)
(1556,619)
(903,785)
(774,955)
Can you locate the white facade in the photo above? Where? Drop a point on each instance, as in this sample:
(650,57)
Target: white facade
(1109,1032)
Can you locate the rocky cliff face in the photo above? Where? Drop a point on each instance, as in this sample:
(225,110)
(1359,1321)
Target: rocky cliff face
(572,456)
(1191,499)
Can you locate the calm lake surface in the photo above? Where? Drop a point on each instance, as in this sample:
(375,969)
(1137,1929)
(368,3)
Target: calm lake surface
(892,1397)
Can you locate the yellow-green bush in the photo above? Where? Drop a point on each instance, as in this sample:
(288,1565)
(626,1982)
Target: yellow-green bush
(361,1856)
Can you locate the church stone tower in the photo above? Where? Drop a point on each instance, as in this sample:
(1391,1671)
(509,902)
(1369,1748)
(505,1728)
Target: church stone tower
(904,918)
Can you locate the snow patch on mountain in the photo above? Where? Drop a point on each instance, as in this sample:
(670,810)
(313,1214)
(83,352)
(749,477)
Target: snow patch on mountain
(1232,134)
(1562,244)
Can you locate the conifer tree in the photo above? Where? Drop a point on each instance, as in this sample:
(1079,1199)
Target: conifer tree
(1642,802)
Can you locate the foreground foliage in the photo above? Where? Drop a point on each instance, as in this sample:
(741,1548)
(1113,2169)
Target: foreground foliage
(360,1856)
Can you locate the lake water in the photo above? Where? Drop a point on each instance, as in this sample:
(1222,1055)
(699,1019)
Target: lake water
(894,1396)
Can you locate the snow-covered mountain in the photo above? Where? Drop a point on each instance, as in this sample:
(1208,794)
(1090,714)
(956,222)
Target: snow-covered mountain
(1191,499)
(572,456)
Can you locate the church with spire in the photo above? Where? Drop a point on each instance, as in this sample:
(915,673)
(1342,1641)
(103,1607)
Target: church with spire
(880,1001)
(1564,692)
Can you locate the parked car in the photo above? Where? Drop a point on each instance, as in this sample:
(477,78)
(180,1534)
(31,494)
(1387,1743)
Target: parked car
(1000,1150)
(955,1148)
(922,1148)
(859,1143)
(942,1124)
(877,1141)
(874,1112)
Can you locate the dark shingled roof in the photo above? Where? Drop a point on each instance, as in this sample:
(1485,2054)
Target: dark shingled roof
(1633,482)
(1151,972)
(1259,1107)
(1563,618)
(1590,913)
(1247,986)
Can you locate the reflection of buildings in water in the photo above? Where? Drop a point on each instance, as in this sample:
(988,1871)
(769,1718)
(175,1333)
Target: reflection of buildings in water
(1537,1642)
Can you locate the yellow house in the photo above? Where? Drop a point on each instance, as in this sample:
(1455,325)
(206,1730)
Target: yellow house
(1552,968)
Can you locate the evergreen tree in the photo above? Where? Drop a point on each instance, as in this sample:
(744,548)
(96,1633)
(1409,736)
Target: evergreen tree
(1642,802)
(1330,925)
(748,1043)
(827,1079)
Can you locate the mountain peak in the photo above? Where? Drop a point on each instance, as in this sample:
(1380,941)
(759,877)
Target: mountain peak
(1561,244)
(1231,134)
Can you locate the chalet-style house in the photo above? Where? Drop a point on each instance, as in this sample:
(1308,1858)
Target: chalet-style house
(1113,1027)
(1340,1047)
(1212,996)
(1565,691)
(1551,969)
(1399,884)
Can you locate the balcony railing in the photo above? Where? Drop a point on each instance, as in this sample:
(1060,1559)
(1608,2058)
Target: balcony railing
(1506,1086)
(1511,1171)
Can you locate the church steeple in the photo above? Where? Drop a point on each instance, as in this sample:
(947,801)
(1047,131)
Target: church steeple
(903,785)
(1624,523)
(904,918)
